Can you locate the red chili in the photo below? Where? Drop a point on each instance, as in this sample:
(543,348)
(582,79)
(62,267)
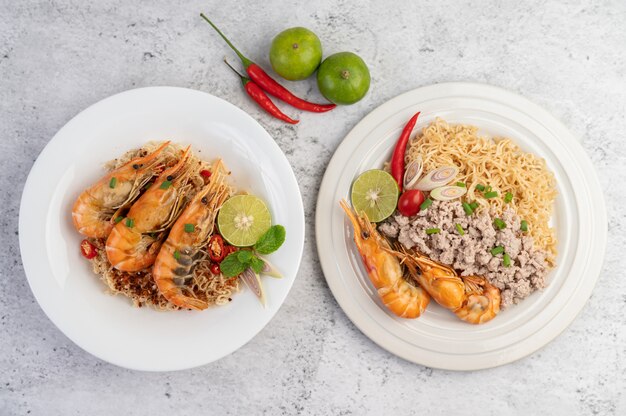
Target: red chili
(257,94)
(215,268)
(205,173)
(397,160)
(267,83)
(88,250)
(216,248)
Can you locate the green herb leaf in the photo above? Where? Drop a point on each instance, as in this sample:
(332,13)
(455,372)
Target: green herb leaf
(189,228)
(257,264)
(231,266)
(271,240)
(112,182)
(244,256)
(165,184)
(430,231)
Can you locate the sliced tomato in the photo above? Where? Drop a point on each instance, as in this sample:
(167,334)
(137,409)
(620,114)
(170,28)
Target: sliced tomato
(87,249)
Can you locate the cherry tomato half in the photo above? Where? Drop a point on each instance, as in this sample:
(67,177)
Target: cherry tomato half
(410,201)
(88,250)
(215,269)
(216,248)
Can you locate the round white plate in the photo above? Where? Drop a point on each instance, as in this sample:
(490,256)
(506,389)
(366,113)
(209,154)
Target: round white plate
(438,339)
(61,280)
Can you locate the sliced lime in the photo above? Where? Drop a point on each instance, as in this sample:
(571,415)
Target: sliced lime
(243,219)
(375,193)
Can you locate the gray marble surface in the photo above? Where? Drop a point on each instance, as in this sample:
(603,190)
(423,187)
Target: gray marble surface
(58,57)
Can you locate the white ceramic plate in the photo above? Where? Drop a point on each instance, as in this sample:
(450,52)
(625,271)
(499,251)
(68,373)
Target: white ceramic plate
(73,297)
(438,339)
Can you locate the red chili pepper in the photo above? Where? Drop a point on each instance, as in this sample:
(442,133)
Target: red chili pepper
(257,94)
(215,268)
(397,160)
(205,173)
(216,248)
(267,83)
(88,250)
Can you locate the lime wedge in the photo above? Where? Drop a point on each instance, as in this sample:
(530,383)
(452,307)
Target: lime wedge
(243,219)
(375,192)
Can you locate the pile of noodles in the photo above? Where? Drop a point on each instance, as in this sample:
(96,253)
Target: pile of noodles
(498,163)
(140,286)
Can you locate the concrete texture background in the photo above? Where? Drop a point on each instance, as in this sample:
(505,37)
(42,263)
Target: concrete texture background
(58,57)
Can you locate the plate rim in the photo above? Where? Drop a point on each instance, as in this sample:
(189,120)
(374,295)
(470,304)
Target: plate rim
(290,181)
(372,120)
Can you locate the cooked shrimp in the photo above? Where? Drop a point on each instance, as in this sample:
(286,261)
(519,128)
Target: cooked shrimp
(482,301)
(471,298)
(173,268)
(93,211)
(135,242)
(384,269)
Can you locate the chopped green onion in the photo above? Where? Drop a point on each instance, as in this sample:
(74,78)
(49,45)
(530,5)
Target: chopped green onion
(480,187)
(430,231)
(499,223)
(490,194)
(112,182)
(176,254)
(189,228)
(497,250)
(488,188)
(130,223)
(459,229)
(473,205)
(524,225)
(427,203)
(467,208)
(165,184)
(508,197)
(118,219)
(506,260)
(461,184)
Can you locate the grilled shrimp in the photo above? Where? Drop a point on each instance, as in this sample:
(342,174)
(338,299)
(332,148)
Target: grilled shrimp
(384,270)
(472,298)
(93,210)
(173,268)
(135,242)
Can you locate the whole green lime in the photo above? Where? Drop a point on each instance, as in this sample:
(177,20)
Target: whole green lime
(295,53)
(343,78)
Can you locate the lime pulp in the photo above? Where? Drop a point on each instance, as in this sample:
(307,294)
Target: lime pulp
(375,193)
(243,219)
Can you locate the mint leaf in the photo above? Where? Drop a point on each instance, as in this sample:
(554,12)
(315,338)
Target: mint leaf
(271,240)
(244,256)
(231,266)
(257,264)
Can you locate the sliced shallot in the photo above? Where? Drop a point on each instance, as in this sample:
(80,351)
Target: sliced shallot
(436,178)
(447,193)
(253,281)
(413,173)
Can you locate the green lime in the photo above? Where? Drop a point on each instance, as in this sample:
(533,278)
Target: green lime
(343,78)
(243,219)
(375,192)
(295,53)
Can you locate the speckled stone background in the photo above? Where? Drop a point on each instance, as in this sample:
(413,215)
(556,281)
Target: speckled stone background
(58,57)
